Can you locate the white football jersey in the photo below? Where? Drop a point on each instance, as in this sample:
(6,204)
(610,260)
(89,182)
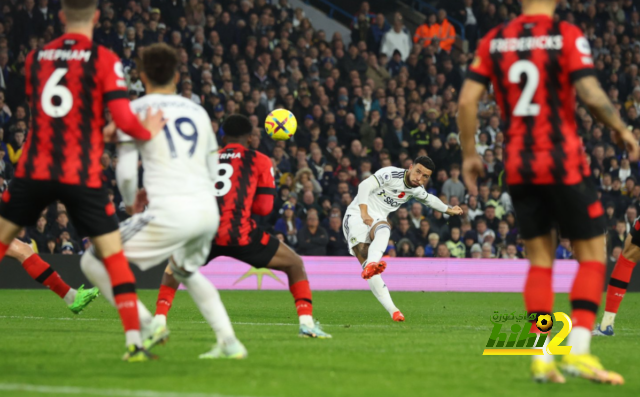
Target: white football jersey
(181,159)
(392,192)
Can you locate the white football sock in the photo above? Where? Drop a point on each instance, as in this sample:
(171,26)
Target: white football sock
(381,292)
(379,244)
(207,298)
(97,274)
(70,297)
(580,340)
(307,320)
(160,319)
(547,358)
(607,319)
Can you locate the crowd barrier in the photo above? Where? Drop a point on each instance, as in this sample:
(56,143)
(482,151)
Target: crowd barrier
(335,273)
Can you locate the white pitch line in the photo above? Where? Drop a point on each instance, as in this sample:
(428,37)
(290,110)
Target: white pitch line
(248,323)
(66,390)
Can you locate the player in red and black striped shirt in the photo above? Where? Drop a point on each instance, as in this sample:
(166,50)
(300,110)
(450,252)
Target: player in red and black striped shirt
(245,186)
(536,65)
(68,84)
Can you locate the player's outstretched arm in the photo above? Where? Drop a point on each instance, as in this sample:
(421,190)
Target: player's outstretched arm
(364,190)
(472,166)
(592,95)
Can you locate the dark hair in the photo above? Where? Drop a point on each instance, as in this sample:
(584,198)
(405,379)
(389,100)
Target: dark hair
(79,10)
(237,125)
(160,63)
(425,162)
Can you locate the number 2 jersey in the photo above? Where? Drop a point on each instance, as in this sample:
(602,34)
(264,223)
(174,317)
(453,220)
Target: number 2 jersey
(244,185)
(532,63)
(68,83)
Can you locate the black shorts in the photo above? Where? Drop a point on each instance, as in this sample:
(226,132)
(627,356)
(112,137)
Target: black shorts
(575,209)
(89,209)
(258,253)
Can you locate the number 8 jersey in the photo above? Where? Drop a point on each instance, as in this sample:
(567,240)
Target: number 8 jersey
(244,185)
(532,63)
(68,82)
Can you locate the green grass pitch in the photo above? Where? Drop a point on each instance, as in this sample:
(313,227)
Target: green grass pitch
(436,352)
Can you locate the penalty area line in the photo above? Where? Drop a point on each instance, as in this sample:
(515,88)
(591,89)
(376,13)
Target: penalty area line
(88,391)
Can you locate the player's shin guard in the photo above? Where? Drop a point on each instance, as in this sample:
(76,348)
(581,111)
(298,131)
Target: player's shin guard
(124,294)
(379,244)
(40,271)
(585,297)
(618,283)
(165,300)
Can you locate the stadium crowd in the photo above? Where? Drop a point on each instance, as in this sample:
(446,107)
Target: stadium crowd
(387,97)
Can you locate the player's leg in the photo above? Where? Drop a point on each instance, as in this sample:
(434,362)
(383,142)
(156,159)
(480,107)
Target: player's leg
(168,288)
(185,266)
(618,283)
(584,225)
(94,215)
(378,286)
(40,271)
(287,261)
(380,233)
(535,216)
(8,231)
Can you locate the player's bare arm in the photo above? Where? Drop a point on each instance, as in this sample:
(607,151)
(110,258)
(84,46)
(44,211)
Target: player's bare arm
(592,95)
(472,166)
(366,218)
(454,211)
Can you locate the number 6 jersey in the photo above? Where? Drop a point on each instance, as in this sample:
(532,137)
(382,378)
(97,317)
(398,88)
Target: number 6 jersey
(532,63)
(68,83)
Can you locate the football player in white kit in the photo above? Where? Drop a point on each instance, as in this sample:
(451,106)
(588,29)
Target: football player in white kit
(365,221)
(182,217)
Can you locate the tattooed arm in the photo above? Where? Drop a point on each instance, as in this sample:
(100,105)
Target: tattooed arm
(600,106)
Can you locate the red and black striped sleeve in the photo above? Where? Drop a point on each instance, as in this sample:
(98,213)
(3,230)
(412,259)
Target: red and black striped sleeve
(115,95)
(576,52)
(482,65)
(266,188)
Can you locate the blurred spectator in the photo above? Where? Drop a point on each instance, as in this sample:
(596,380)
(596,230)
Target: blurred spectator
(564,249)
(289,224)
(455,245)
(337,245)
(476,251)
(15,147)
(396,39)
(312,238)
(442,251)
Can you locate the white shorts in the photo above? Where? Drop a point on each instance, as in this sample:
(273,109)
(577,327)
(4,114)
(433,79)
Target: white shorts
(356,230)
(183,231)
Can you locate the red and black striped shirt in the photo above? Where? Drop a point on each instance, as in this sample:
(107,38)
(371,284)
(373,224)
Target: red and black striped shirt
(68,83)
(533,62)
(245,176)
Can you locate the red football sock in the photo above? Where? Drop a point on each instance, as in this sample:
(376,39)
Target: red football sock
(302,296)
(586,293)
(165,299)
(124,290)
(538,291)
(40,271)
(618,283)
(3,249)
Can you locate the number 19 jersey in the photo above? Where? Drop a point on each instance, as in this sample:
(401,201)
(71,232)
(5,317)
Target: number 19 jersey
(533,62)
(68,83)
(181,160)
